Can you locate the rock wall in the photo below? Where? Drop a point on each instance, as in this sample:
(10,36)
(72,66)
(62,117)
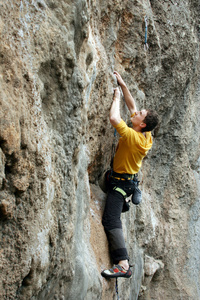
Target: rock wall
(56,63)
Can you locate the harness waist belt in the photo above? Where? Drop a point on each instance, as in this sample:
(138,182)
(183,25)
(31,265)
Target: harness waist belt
(124,175)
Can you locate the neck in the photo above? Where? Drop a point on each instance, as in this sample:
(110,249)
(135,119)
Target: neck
(137,128)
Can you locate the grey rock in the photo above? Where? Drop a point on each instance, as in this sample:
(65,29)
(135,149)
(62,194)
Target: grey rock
(56,64)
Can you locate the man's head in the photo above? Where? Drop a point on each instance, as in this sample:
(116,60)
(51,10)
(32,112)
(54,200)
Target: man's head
(151,120)
(145,120)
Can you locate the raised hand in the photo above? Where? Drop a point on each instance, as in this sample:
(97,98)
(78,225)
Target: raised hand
(119,79)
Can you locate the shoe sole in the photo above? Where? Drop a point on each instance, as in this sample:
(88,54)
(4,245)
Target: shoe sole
(115,276)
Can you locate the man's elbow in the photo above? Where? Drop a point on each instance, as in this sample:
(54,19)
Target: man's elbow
(115,120)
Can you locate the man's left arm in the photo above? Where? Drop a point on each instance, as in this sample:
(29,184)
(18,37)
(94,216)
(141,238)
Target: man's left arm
(130,102)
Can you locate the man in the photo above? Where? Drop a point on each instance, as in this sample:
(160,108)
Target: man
(132,148)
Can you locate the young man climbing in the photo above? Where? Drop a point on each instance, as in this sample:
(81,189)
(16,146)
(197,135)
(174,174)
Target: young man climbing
(133,146)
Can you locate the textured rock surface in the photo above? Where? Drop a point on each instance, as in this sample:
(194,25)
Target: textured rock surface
(56,64)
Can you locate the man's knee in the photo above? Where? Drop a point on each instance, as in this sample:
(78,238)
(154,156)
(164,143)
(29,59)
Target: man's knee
(110,223)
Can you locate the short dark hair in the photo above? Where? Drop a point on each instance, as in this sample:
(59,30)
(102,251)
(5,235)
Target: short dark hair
(151,120)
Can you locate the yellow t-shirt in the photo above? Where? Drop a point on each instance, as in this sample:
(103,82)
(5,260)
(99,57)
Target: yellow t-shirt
(132,148)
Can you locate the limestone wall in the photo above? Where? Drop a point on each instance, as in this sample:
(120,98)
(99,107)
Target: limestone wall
(56,63)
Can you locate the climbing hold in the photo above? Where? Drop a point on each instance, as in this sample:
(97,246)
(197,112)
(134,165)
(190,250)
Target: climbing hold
(146,47)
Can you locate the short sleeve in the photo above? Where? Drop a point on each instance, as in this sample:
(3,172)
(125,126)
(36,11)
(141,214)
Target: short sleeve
(122,128)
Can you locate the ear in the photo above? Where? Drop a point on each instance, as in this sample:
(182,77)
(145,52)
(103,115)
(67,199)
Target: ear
(143,125)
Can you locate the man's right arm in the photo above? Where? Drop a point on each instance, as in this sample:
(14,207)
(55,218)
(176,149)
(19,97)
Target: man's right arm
(115,117)
(130,102)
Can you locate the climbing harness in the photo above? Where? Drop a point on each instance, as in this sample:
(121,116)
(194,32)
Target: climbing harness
(146,47)
(117,189)
(116,288)
(124,176)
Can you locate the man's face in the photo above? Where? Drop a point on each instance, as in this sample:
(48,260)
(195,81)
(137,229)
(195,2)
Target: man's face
(139,116)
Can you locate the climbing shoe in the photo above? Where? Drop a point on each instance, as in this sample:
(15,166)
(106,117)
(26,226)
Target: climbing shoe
(136,196)
(116,271)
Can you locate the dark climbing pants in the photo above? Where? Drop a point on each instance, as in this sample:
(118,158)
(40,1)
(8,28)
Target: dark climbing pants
(112,218)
